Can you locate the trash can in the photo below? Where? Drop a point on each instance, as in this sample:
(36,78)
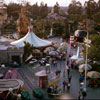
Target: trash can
(37,92)
(25,95)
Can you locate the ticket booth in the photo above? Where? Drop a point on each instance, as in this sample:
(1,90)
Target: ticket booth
(43,78)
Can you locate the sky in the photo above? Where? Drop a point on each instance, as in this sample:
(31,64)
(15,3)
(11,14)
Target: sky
(49,2)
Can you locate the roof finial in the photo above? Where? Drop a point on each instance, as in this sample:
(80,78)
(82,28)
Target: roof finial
(30,29)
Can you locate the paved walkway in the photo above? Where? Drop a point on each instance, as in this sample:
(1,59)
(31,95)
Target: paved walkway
(27,74)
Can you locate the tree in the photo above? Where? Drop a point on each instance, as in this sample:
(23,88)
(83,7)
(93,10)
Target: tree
(75,13)
(35,11)
(22,23)
(56,8)
(75,8)
(13,9)
(91,8)
(58,27)
(96,17)
(94,50)
(43,10)
(42,27)
(27,50)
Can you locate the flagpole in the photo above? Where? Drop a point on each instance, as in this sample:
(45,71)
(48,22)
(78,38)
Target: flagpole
(86,61)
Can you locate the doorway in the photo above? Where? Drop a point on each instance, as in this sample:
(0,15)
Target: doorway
(16,58)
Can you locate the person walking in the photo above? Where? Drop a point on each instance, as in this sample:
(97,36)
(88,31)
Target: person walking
(81,78)
(68,85)
(79,95)
(68,70)
(49,90)
(64,85)
(69,78)
(84,94)
(55,63)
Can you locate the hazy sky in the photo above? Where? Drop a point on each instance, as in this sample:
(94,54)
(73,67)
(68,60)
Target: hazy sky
(49,2)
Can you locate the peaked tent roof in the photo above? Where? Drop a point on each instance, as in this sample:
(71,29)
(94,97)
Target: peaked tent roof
(31,38)
(77,56)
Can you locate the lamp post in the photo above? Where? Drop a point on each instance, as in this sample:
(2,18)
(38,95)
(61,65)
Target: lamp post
(86,62)
(88,42)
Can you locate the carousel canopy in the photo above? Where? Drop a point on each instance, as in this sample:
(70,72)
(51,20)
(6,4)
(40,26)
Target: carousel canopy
(31,38)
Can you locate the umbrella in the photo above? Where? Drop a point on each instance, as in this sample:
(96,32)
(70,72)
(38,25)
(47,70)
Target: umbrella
(53,53)
(63,44)
(36,51)
(61,49)
(56,45)
(93,74)
(82,67)
(79,62)
(48,49)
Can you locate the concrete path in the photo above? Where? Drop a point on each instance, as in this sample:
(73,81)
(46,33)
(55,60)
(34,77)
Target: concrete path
(27,74)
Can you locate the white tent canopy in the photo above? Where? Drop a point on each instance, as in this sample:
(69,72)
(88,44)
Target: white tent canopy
(77,56)
(31,38)
(41,73)
(74,57)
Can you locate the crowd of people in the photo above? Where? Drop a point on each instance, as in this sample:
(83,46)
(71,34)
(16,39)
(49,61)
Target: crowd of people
(67,82)
(53,90)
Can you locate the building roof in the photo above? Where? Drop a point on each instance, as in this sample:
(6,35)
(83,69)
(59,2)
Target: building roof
(3,47)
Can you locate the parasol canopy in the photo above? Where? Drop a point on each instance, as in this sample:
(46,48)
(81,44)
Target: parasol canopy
(79,62)
(53,53)
(36,51)
(48,49)
(82,67)
(63,44)
(56,45)
(61,49)
(93,74)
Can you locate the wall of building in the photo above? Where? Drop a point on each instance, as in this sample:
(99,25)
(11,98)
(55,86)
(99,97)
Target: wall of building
(3,56)
(6,55)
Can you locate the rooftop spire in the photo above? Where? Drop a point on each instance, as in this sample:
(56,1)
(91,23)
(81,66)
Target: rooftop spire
(30,29)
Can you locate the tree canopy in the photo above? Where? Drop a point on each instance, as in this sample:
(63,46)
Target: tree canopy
(74,13)
(94,50)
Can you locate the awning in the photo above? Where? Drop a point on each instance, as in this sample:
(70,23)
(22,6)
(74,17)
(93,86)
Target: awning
(41,73)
